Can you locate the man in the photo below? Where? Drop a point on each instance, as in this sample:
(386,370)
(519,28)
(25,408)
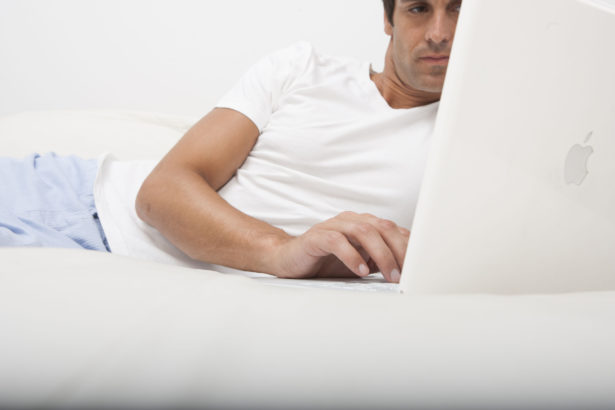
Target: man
(286,174)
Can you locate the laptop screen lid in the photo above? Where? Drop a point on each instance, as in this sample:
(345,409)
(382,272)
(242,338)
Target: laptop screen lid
(519,191)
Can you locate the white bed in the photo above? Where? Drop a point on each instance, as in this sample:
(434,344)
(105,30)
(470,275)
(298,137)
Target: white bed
(82,328)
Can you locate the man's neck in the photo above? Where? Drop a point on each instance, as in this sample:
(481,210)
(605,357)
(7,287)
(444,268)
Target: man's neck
(398,94)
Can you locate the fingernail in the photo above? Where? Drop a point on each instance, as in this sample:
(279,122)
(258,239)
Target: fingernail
(395,276)
(364,270)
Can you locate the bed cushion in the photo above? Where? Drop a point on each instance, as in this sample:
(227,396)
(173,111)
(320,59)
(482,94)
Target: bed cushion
(127,134)
(98,330)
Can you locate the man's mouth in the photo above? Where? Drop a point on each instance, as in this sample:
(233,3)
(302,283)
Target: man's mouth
(435,59)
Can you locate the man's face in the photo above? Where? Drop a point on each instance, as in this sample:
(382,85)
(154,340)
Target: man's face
(421,38)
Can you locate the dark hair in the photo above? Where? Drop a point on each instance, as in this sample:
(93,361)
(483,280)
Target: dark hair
(389,7)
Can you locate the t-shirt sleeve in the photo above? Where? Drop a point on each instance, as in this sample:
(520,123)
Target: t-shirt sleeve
(258,92)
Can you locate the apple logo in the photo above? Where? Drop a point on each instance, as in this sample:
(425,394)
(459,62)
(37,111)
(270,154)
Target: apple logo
(576,162)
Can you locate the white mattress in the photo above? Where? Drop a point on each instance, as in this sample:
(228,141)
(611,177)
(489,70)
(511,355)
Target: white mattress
(88,328)
(80,328)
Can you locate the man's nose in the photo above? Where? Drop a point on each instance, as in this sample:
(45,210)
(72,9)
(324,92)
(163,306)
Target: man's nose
(440,29)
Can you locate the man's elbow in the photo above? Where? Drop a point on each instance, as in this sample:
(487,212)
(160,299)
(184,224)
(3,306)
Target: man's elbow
(144,201)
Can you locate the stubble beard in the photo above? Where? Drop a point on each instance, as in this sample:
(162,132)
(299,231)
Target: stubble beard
(431,82)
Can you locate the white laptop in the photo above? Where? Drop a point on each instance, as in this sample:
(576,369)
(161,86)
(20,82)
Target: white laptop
(519,191)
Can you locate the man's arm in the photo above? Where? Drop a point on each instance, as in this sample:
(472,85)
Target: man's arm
(180,199)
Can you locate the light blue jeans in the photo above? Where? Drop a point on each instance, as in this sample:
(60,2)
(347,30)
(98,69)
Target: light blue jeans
(48,201)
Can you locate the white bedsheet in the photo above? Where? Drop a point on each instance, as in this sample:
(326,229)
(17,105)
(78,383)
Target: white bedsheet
(87,328)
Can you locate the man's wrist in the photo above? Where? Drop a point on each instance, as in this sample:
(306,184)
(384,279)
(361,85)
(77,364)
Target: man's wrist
(270,260)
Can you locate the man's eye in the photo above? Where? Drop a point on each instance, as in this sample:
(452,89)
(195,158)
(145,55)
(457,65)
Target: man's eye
(417,9)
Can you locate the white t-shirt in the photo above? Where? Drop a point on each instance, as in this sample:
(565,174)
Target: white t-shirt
(329,143)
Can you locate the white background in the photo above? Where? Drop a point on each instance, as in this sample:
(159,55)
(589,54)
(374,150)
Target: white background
(167,56)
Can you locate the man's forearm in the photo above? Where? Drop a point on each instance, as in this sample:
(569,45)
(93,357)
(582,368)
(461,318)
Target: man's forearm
(190,213)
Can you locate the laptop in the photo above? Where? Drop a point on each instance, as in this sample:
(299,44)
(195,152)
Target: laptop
(519,190)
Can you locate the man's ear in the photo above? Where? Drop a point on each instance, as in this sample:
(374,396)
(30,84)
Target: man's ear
(388,27)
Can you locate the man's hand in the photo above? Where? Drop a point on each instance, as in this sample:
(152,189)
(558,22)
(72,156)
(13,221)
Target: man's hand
(346,245)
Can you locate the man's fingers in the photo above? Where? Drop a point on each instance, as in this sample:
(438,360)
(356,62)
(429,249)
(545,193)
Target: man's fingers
(383,240)
(364,235)
(336,243)
(395,238)
(379,250)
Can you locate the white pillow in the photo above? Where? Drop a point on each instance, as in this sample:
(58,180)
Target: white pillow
(128,135)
